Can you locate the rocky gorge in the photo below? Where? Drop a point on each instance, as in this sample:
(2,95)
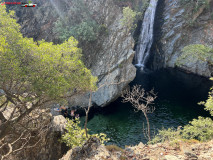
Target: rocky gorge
(110,58)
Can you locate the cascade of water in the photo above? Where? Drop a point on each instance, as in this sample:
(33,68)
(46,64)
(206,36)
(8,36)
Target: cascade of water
(146,35)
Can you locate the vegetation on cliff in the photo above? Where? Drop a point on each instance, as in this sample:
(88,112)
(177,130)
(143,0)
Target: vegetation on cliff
(80,25)
(129,17)
(76,136)
(194,53)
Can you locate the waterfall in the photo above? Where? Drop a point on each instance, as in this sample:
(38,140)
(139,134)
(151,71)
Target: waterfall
(146,35)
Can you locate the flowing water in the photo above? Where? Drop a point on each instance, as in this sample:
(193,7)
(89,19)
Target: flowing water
(146,35)
(178,95)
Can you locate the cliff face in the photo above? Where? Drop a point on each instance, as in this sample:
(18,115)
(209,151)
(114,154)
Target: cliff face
(179,29)
(109,57)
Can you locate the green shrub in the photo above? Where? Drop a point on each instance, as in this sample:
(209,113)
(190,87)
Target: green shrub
(209,102)
(84,31)
(76,136)
(195,52)
(170,135)
(129,17)
(200,129)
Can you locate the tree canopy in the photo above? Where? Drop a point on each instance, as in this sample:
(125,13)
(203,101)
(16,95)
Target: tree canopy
(36,72)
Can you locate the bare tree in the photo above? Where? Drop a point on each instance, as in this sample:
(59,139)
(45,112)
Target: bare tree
(141,101)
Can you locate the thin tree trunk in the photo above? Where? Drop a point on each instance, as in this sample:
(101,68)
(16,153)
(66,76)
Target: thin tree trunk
(87,113)
(86,120)
(148,126)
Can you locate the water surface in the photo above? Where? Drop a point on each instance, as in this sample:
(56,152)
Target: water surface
(176,105)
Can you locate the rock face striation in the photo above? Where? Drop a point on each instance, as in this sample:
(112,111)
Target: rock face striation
(179,30)
(109,58)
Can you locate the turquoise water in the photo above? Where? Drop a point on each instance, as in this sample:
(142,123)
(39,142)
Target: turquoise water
(178,95)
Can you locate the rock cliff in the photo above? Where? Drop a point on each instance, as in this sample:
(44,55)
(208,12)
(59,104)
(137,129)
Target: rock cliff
(109,57)
(178,28)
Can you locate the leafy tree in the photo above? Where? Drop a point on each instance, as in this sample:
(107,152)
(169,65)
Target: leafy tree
(35,74)
(76,136)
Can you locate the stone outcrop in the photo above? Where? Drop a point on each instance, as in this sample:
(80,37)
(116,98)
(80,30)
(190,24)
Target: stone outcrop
(109,57)
(177,31)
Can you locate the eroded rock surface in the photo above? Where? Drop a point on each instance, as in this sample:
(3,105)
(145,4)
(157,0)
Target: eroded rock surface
(178,31)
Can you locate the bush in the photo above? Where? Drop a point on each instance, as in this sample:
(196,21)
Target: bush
(84,31)
(194,52)
(170,135)
(200,129)
(76,136)
(129,17)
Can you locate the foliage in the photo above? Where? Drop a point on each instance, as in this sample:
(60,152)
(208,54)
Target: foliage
(199,129)
(76,136)
(209,102)
(195,52)
(45,69)
(85,31)
(34,74)
(80,25)
(129,17)
(163,135)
